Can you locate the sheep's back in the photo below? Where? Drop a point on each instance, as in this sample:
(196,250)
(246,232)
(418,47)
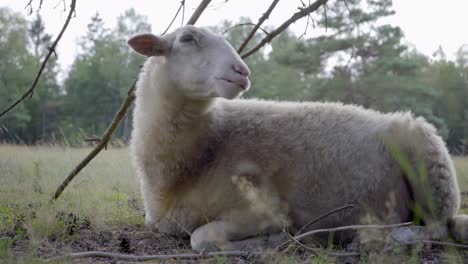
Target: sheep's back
(315,151)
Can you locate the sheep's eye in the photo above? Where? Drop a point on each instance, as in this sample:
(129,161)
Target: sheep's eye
(187,38)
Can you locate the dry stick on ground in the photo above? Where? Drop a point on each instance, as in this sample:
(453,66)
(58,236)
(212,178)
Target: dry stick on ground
(438,243)
(118,256)
(349,227)
(329,252)
(298,15)
(296,239)
(334,211)
(259,23)
(334,253)
(124,108)
(49,54)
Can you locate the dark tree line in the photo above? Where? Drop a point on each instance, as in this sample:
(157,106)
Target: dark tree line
(358,61)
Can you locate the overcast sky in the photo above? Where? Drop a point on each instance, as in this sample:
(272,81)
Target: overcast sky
(427,24)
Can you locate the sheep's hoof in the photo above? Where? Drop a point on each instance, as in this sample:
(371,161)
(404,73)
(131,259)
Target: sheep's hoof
(406,235)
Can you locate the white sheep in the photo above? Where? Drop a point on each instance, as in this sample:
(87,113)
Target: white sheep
(227,170)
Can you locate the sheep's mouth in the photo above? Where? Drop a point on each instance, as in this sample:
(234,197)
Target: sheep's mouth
(242,86)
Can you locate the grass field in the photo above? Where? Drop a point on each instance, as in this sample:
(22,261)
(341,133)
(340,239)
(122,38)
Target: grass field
(104,196)
(99,209)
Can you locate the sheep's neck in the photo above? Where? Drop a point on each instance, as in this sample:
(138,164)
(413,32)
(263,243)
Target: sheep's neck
(184,120)
(185,147)
(177,126)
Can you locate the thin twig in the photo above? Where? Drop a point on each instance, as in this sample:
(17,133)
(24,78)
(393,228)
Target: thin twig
(347,7)
(332,253)
(183,14)
(196,15)
(323,216)
(426,242)
(29,7)
(309,17)
(182,3)
(257,26)
(245,24)
(30,92)
(124,108)
(297,239)
(439,243)
(313,221)
(102,143)
(64,5)
(350,227)
(118,256)
(298,15)
(325,14)
(351,14)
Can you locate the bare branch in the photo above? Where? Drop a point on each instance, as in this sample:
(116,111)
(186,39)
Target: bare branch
(309,18)
(64,5)
(29,7)
(29,93)
(182,4)
(245,24)
(325,14)
(183,14)
(257,26)
(102,143)
(298,15)
(347,7)
(118,256)
(196,15)
(352,16)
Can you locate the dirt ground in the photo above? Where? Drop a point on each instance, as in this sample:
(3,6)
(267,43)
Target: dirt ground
(139,241)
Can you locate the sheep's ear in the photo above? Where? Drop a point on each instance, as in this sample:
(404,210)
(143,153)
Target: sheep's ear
(149,45)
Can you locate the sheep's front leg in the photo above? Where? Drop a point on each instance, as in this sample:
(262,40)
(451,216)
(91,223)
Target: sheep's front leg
(230,236)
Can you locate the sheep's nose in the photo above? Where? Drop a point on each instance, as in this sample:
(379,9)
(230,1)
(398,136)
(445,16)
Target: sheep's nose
(241,69)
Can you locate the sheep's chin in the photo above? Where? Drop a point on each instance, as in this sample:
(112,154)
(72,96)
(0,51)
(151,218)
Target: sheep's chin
(228,90)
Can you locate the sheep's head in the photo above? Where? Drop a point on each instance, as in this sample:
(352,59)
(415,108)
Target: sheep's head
(200,63)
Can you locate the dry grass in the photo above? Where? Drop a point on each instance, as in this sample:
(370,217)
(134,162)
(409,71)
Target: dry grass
(104,199)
